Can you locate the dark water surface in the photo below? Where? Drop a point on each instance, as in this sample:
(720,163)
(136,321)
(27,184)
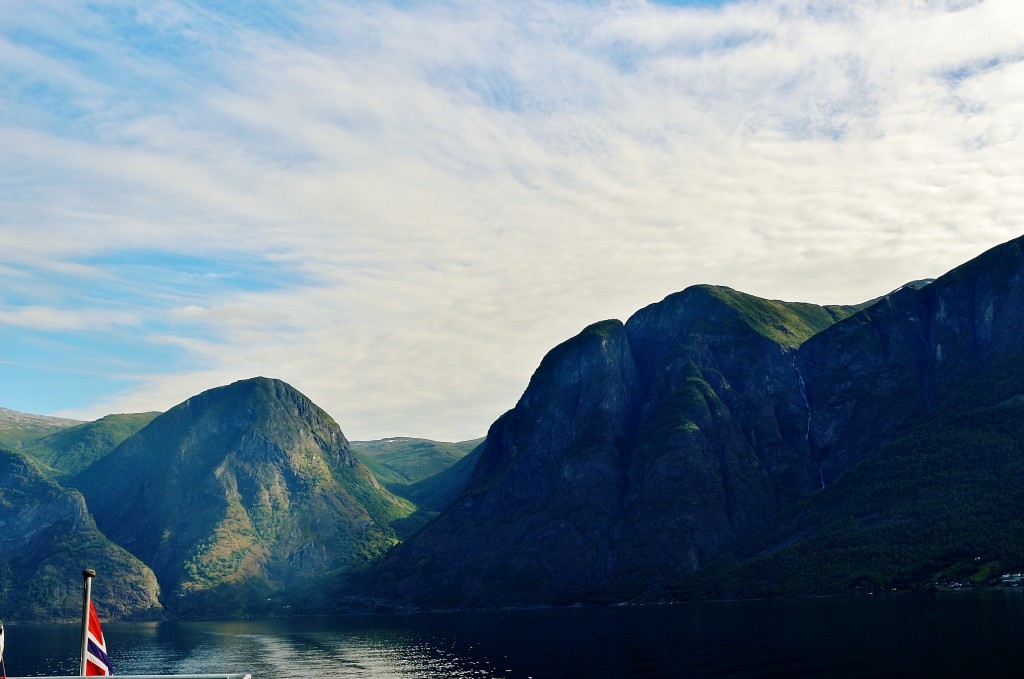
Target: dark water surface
(943,635)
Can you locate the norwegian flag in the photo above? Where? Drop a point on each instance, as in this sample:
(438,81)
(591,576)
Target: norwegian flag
(97,664)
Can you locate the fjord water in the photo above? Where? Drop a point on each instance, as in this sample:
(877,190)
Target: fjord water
(955,634)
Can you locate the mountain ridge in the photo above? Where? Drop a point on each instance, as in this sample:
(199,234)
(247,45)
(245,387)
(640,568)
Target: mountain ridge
(275,493)
(716,444)
(642,452)
(558,485)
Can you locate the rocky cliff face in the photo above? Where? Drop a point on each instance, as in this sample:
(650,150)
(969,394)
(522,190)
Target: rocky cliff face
(721,441)
(896,361)
(239,491)
(638,451)
(641,452)
(46,539)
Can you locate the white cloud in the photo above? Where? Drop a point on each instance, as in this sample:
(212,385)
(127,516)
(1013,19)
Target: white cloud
(432,197)
(51,318)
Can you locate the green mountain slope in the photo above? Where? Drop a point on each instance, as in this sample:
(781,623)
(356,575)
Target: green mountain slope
(68,451)
(417,469)
(436,492)
(402,461)
(46,539)
(786,323)
(238,493)
(18,429)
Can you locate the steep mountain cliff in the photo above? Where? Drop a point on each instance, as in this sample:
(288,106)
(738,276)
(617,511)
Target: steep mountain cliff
(914,409)
(937,506)
(910,352)
(237,492)
(46,539)
(640,453)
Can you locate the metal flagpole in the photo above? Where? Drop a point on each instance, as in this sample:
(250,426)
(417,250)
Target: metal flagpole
(88,574)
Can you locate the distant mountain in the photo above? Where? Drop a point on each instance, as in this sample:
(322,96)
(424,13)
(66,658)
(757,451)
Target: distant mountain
(436,492)
(403,460)
(408,467)
(46,539)
(238,493)
(71,449)
(717,423)
(17,429)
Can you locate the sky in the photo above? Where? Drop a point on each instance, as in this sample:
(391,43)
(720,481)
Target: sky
(399,207)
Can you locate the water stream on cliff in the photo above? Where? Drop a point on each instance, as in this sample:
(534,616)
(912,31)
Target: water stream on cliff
(807,430)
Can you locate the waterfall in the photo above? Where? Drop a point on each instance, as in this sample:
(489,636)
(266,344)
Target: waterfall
(807,404)
(807,429)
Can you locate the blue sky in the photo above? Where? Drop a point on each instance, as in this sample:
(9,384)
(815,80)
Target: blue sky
(400,207)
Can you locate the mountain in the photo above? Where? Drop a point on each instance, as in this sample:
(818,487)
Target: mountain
(716,423)
(436,492)
(629,447)
(716,444)
(402,461)
(237,495)
(936,506)
(71,449)
(898,360)
(47,538)
(17,429)
(410,467)
(915,409)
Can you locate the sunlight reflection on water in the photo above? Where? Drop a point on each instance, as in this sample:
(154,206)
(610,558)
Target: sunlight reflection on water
(328,654)
(844,638)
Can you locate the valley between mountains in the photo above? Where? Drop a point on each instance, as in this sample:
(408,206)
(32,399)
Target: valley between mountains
(716,444)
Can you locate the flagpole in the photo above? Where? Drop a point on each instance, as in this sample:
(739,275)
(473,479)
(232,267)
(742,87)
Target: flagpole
(88,574)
